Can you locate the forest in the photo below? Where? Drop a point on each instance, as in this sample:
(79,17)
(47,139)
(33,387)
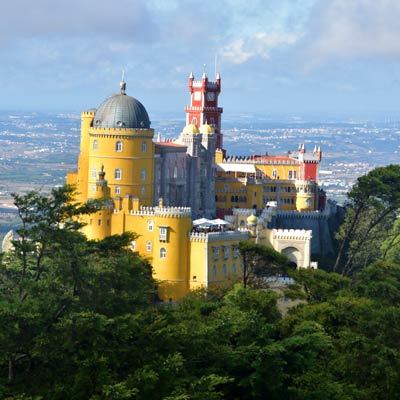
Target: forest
(80,319)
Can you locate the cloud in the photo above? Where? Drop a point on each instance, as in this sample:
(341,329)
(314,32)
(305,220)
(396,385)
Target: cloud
(240,50)
(354,29)
(125,19)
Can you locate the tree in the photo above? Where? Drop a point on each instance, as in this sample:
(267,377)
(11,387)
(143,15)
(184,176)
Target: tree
(55,275)
(373,204)
(260,262)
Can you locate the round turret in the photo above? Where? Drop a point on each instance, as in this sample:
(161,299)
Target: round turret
(207,129)
(252,220)
(191,129)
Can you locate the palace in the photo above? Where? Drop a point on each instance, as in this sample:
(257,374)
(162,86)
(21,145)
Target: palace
(170,192)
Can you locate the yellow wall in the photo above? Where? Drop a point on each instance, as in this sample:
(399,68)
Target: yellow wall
(86,121)
(282,170)
(132,160)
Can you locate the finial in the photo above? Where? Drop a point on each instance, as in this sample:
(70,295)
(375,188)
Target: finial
(204,72)
(122,84)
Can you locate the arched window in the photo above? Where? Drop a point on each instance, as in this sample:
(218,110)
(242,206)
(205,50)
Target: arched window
(143,174)
(163,252)
(95,145)
(175,172)
(150,225)
(224,271)
(144,147)
(118,174)
(117,189)
(194,121)
(214,271)
(118,146)
(148,246)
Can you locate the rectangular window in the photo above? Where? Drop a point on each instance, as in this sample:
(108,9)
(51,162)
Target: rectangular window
(216,253)
(226,252)
(163,234)
(148,246)
(94,173)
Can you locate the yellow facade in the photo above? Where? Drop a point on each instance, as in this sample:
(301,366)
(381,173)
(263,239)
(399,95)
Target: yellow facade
(246,193)
(116,163)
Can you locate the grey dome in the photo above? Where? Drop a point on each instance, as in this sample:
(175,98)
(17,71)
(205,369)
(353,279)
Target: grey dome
(121,111)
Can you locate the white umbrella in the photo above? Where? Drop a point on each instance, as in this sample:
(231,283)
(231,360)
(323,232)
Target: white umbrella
(220,221)
(202,221)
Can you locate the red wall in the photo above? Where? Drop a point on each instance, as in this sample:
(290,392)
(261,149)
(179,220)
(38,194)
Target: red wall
(310,171)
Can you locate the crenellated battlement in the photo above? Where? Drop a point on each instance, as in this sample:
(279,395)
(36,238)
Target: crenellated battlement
(171,212)
(88,113)
(302,214)
(218,236)
(292,234)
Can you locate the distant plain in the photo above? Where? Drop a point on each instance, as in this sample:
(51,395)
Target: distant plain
(37,149)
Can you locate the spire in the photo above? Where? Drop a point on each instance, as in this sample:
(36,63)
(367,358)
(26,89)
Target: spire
(122,84)
(204,76)
(191,76)
(218,76)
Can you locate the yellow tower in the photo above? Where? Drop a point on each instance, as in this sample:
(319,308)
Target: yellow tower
(98,225)
(119,138)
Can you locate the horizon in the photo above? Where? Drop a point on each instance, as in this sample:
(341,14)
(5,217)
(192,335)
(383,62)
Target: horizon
(288,57)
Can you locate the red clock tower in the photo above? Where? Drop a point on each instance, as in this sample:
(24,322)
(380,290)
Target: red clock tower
(204,104)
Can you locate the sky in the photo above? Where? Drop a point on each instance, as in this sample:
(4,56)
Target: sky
(276,57)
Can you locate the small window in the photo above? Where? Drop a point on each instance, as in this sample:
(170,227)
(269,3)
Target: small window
(93,187)
(163,233)
(144,147)
(117,190)
(142,190)
(94,173)
(274,173)
(143,174)
(150,225)
(99,222)
(95,145)
(216,253)
(118,174)
(224,270)
(175,172)
(214,271)
(118,146)
(234,268)
(148,246)
(163,252)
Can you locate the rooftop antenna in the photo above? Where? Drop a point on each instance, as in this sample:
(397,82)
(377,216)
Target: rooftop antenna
(122,84)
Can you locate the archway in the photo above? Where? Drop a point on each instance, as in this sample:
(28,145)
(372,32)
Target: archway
(294,255)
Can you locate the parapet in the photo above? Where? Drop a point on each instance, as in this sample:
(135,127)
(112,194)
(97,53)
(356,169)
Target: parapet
(173,212)
(218,236)
(302,214)
(292,234)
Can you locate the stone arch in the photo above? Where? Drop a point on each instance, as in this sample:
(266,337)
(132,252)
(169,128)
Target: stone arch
(294,255)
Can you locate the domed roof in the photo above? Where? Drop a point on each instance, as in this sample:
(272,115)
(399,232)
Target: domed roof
(207,129)
(191,129)
(252,220)
(121,111)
